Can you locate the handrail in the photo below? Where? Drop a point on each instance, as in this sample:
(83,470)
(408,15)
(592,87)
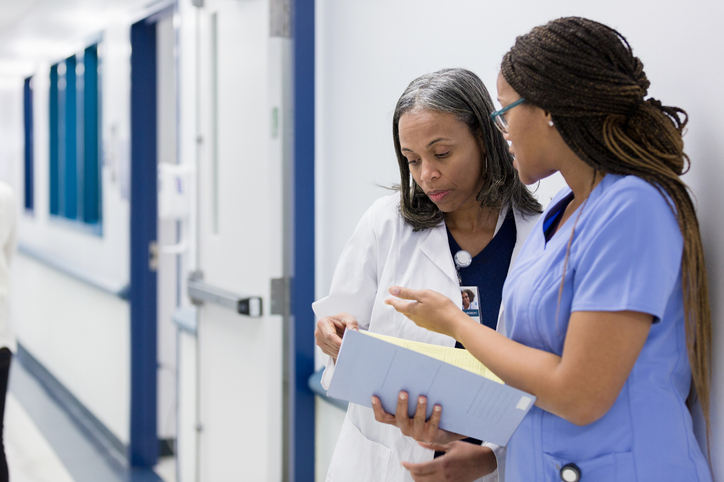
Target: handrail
(315,384)
(50,260)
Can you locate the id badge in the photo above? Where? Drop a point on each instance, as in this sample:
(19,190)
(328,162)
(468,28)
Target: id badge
(470,302)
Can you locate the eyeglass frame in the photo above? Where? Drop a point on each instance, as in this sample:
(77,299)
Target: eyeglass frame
(499,120)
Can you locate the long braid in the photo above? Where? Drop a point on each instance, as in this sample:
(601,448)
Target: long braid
(585,75)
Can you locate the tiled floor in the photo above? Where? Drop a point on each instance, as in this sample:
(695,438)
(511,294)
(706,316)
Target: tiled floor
(43,444)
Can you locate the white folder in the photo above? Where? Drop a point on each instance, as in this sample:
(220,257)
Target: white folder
(472,405)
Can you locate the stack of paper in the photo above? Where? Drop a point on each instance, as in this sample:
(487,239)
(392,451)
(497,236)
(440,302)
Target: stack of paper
(475,402)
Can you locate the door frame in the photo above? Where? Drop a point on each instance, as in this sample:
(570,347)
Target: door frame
(301,428)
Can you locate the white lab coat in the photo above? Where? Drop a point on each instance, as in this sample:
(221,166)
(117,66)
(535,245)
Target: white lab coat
(384,251)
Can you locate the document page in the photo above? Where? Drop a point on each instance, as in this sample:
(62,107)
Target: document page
(454,356)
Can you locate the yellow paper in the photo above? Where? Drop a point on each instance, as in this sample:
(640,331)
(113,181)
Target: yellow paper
(454,356)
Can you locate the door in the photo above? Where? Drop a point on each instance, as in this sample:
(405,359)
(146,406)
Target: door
(240,240)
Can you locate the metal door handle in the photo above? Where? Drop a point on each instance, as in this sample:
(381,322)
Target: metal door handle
(201,292)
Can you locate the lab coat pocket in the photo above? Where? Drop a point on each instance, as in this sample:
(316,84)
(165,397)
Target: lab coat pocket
(356,458)
(618,467)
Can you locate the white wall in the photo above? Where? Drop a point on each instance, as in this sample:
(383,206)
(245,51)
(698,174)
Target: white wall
(367,53)
(11,131)
(81,334)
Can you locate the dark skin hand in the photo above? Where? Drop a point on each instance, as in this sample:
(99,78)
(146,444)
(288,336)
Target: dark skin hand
(416,427)
(462,462)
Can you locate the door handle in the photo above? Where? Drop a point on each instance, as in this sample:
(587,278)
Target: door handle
(201,292)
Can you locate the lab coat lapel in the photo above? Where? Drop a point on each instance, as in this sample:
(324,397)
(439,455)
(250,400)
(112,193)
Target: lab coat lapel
(436,248)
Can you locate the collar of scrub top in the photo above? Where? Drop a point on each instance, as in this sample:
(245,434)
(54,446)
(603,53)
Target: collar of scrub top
(462,260)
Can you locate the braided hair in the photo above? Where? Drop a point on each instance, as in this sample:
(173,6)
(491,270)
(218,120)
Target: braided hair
(584,74)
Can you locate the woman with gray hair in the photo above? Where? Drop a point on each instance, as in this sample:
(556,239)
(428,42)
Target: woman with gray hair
(456,221)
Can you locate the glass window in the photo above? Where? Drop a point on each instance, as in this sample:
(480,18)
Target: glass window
(75,187)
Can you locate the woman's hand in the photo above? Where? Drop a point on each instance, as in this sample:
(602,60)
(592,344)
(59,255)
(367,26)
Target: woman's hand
(428,309)
(330,331)
(462,462)
(417,427)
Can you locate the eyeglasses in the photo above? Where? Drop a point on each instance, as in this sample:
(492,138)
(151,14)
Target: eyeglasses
(499,118)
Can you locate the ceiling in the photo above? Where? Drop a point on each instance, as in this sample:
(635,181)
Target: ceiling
(34,31)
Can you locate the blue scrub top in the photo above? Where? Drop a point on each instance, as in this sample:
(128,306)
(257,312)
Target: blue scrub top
(626,255)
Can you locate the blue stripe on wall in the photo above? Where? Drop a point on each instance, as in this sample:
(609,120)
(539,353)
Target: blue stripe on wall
(53,141)
(302,398)
(91,177)
(143,449)
(70,166)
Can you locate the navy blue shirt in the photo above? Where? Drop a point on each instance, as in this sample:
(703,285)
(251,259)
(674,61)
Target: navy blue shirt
(489,269)
(488,272)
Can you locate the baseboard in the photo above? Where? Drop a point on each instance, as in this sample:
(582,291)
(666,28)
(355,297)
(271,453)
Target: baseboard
(106,442)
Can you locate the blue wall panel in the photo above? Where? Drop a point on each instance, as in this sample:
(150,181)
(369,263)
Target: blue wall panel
(302,398)
(144,447)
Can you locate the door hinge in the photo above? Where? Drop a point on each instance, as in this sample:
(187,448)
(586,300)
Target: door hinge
(280,296)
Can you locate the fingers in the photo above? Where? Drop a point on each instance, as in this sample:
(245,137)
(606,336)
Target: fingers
(380,414)
(330,330)
(434,423)
(327,338)
(347,321)
(420,415)
(424,470)
(401,413)
(400,305)
(406,293)
(435,446)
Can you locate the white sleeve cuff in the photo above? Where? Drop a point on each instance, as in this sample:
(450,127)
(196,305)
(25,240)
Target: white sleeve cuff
(499,474)
(328,371)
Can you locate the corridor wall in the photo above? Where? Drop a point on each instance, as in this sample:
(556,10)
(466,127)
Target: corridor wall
(367,53)
(78,332)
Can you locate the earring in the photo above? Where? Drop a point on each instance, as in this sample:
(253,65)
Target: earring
(550,123)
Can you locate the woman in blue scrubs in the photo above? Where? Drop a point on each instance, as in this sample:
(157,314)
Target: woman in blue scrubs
(606,310)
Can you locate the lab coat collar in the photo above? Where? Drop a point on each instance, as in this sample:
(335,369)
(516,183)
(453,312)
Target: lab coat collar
(436,248)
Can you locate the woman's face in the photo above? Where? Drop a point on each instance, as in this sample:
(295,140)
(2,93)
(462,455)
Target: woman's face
(466,300)
(529,136)
(444,158)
